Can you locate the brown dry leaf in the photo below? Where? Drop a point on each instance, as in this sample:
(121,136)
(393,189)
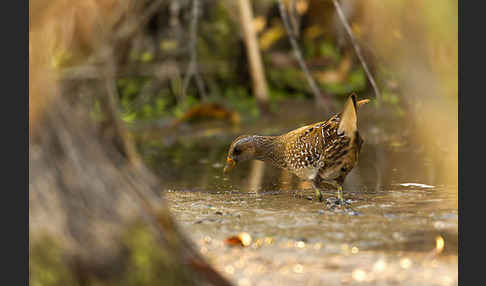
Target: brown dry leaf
(271,36)
(209,111)
(302,6)
(259,23)
(241,239)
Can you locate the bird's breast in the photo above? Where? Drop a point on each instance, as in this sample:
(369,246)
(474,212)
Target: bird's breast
(307,173)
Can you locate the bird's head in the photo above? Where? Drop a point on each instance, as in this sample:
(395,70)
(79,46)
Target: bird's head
(242,149)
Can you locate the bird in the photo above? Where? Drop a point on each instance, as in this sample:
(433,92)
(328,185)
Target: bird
(322,152)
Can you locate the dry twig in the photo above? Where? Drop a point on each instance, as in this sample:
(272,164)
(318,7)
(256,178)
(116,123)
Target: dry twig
(356,48)
(133,27)
(112,107)
(322,99)
(254,57)
(193,66)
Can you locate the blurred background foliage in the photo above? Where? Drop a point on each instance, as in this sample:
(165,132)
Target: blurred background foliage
(147,93)
(152,62)
(223,64)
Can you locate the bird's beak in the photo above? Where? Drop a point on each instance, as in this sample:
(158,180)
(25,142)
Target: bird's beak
(230,163)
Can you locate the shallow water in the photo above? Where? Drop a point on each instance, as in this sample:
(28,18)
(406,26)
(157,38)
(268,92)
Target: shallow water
(404,231)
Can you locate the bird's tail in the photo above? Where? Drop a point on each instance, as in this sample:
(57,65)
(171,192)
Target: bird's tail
(349,118)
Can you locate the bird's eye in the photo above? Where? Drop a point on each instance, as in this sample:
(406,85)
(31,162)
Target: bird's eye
(237,151)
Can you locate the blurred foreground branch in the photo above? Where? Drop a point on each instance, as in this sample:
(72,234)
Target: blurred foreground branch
(110,103)
(88,189)
(87,194)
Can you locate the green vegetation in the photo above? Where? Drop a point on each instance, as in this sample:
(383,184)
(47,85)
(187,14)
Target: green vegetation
(224,72)
(147,262)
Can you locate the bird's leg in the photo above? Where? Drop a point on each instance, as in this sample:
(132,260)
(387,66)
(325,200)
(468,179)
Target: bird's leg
(340,195)
(318,192)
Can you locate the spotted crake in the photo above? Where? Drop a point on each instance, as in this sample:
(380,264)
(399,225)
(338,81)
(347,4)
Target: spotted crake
(321,152)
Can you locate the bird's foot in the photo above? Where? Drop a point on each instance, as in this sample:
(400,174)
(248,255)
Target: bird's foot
(333,202)
(340,204)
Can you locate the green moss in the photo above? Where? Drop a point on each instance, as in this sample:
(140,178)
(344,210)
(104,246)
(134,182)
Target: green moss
(327,49)
(356,82)
(146,57)
(240,100)
(47,266)
(287,78)
(184,105)
(147,263)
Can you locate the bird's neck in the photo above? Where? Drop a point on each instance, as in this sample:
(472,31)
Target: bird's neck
(269,149)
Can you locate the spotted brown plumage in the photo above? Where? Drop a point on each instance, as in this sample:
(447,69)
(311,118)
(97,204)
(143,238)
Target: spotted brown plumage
(321,152)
